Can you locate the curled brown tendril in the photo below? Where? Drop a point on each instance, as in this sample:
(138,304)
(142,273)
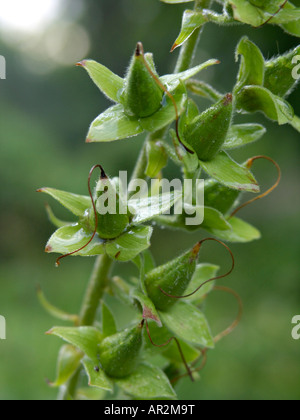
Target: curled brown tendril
(210,280)
(272,17)
(95,213)
(189,372)
(249,166)
(161,85)
(220,336)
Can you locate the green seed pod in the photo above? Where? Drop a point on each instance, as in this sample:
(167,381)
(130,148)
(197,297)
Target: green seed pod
(219,197)
(142,96)
(119,353)
(173,278)
(208,131)
(109,206)
(279,77)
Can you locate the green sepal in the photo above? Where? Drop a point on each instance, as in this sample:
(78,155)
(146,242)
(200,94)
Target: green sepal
(191,21)
(58,223)
(69,359)
(109,326)
(119,353)
(252,67)
(148,308)
(258,98)
(240,135)
(97,377)
(130,244)
(202,273)
(173,278)
(109,83)
(55,312)
(296,123)
(76,204)
(147,383)
(170,352)
(157,158)
(86,339)
(279,74)
(113,124)
(208,131)
(240,232)
(229,173)
(189,324)
(219,196)
(71,238)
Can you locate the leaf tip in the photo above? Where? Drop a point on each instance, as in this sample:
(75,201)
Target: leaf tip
(48,249)
(81,63)
(88,140)
(50,332)
(174,47)
(40,190)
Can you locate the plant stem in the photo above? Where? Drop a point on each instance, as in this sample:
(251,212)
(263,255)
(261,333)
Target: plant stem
(96,288)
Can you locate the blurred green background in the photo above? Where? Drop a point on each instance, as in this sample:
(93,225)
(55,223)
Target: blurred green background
(46,106)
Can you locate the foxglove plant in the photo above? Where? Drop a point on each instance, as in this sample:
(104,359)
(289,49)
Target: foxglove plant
(170,336)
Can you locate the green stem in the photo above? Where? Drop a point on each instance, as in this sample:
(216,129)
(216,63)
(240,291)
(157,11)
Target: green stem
(95,291)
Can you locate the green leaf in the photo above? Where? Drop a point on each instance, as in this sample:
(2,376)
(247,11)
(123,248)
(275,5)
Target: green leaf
(55,312)
(191,21)
(252,67)
(241,232)
(147,208)
(229,173)
(71,238)
(108,82)
(76,204)
(292,28)
(147,383)
(68,362)
(130,244)
(257,98)
(203,273)
(287,16)
(172,80)
(97,377)
(157,158)
(113,124)
(243,134)
(189,324)
(85,339)
(108,322)
(149,310)
(296,123)
(166,114)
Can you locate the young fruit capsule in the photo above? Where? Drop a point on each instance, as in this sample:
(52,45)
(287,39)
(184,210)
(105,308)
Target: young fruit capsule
(173,277)
(219,197)
(207,132)
(119,353)
(279,75)
(109,207)
(142,96)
